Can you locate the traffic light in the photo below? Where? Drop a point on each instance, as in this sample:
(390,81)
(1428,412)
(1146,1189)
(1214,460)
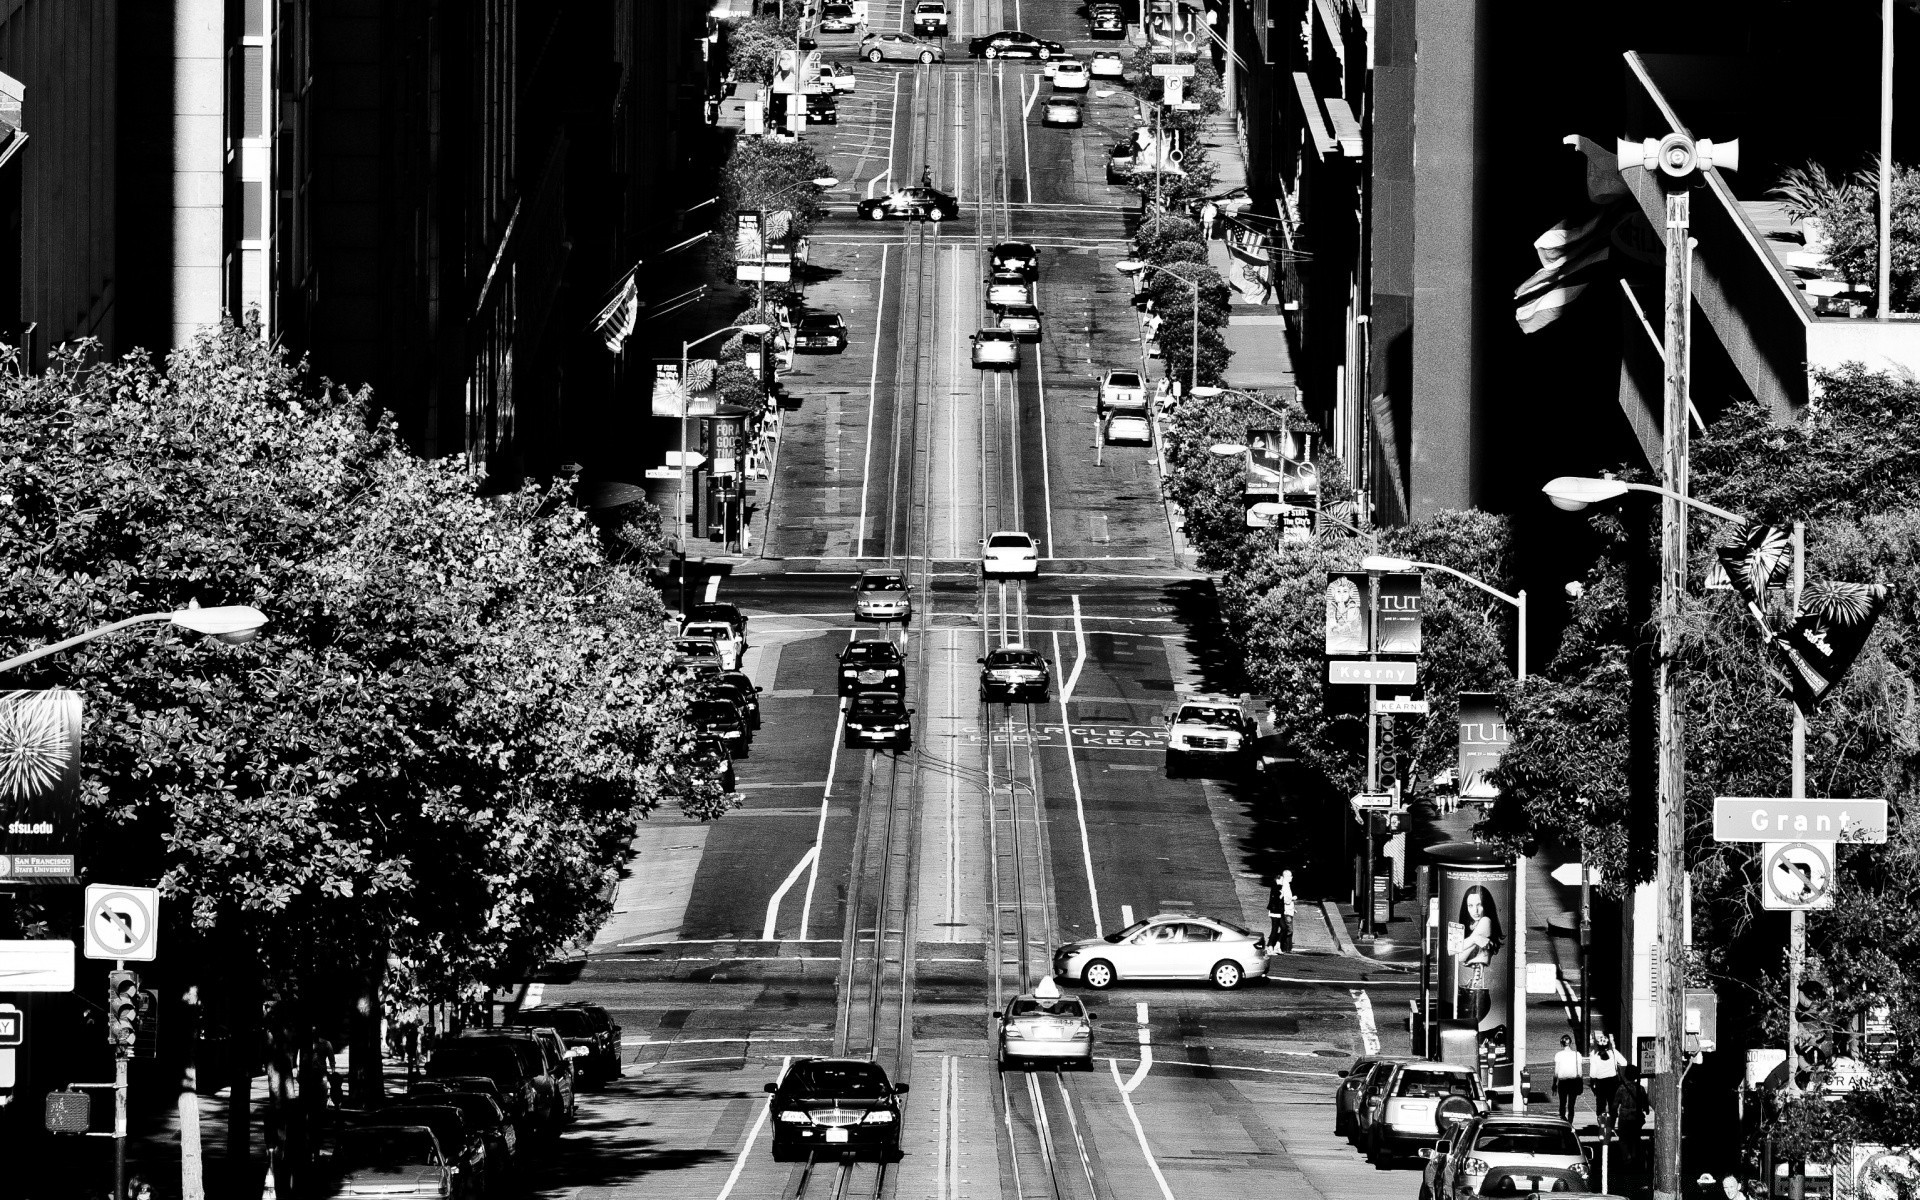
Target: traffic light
(123,1011)
(146,1023)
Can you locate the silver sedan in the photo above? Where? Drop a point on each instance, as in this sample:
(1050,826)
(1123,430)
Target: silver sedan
(1046,1025)
(900,47)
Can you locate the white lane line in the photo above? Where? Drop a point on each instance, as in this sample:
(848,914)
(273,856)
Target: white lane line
(719,1041)
(1363,1011)
(1146,1151)
(1080,649)
(953,1131)
(1214,1066)
(1026,142)
(1146,1048)
(753,1135)
(953,801)
(780,893)
(873,390)
(713,588)
(820,831)
(1046,471)
(1073,773)
(946,1090)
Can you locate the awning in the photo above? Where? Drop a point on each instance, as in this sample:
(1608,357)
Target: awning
(1310,109)
(1346,130)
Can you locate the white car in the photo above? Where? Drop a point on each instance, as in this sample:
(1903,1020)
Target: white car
(1021,320)
(724,637)
(1167,946)
(1061,110)
(883,595)
(1069,75)
(1217,727)
(1105,64)
(838,77)
(1129,429)
(1046,1025)
(1518,1153)
(1009,553)
(1122,391)
(996,348)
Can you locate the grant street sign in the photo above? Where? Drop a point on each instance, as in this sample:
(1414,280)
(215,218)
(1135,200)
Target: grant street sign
(1764,819)
(1348,670)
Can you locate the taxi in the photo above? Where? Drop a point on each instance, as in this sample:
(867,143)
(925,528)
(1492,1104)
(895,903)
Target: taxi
(1046,1025)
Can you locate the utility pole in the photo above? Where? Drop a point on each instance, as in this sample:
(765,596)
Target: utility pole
(1797,919)
(1884,274)
(1373,753)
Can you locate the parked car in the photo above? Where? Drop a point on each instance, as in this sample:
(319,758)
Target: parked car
(587,1026)
(399,1160)
(1009,552)
(711,755)
(1166,946)
(1519,1147)
(1012,43)
(483,1114)
(907,204)
(820,332)
(1106,21)
(1069,75)
(1122,157)
(465,1147)
(930,18)
(1106,64)
(1346,1097)
(1129,429)
(1406,1112)
(1009,289)
(547,1062)
(1015,256)
(900,47)
(1215,727)
(879,719)
(1021,320)
(698,653)
(512,1070)
(727,642)
(1045,1025)
(1061,111)
(1122,391)
(838,16)
(722,718)
(1014,672)
(872,666)
(841,1104)
(744,698)
(837,77)
(996,348)
(719,611)
(821,108)
(883,594)
(746,689)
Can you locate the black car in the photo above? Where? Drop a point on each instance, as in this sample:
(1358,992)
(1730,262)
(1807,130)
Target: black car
(820,332)
(1011,43)
(710,754)
(907,204)
(698,653)
(837,1105)
(467,1147)
(580,1025)
(509,1068)
(878,720)
(723,719)
(1017,256)
(729,613)
(744,699)
(1106,21)
(872,666)
(746,689)
(1014,673)
(484,1118)
(822,108)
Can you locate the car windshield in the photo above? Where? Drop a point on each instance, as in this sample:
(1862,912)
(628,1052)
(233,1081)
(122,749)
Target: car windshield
(855,1080)
(1208,715)
(1064,1007)
(694,645)
(995,335)
(478,1111)
(877,706)
(1528,1139)
(871,652)
(1123,379)
(1415,1081)
(883,583)
(718,631)
(1015,658)
(1010,541)
(384,1150)
(1014,250)
(1121,935)
(714,711)
(1012,277)
(820,321)
(724,613)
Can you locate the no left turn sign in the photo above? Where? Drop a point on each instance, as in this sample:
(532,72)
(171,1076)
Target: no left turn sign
(1796,875)
(120,922)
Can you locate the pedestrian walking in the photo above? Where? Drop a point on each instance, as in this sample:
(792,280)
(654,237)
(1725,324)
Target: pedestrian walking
(1208,212)
(1280,902)
(926,176)
(1604,1069)
(1630,1114)
(1566,1076)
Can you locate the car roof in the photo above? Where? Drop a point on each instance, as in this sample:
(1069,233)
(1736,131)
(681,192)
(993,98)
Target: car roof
(1512,1118)
(1019,533)
(1011,245)
(1451,1069)
(883,573)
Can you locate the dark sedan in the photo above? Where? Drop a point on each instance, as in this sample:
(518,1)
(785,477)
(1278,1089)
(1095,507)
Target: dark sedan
(879,720)
(1106,21)
(820,333)
(1011,43)
(1017,256)
(1014,673)
(912,203)
(872,666)
(837,1105)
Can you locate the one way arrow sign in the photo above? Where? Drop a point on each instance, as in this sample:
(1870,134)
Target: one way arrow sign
(1568,875)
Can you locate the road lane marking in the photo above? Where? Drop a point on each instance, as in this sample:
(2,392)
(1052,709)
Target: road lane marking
(1026,141)
(759,1122)
(1046,471)
(1146,1049)
(873,385)
(820,831)
(713,588)
(780,893)
(1079,1142)
(1146,1151)
(1073,773)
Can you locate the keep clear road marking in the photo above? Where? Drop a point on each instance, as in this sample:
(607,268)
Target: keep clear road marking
(753,1135)
(1146,1060)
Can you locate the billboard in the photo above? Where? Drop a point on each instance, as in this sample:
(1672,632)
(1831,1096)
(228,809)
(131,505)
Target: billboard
(39,785)
(1483,740)
(1282,460)
(1475,888)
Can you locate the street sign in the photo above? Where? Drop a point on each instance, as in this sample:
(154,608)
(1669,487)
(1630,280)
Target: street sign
(1173,70)
(1796,875)
(1396,706)
(1372,802)
(690,458)
(38,966)
(663,472)
(1763,819)
(120,922)
(1568,875)
(13,1026)
(6,1069)
(1347,670)
(36,868)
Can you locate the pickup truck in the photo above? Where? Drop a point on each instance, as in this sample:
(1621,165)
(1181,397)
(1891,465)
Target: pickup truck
(1214,727)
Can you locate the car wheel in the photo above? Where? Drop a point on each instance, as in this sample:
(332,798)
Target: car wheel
(1042,56)
(1376,1149)
(926,58)
(936,216)
(1426,1193)
(1176,764)
(874,56)
(877,213)
(1098,975)
(1227,974)
(990,52)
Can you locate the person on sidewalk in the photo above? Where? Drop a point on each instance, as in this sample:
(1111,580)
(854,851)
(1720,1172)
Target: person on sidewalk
(1604,1070)
(1566,1076)
(1209,212)
(1630,1115)
(1280,901)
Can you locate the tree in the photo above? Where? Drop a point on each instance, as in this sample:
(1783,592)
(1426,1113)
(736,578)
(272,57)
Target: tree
(754,44)
(428,768)
(768,175)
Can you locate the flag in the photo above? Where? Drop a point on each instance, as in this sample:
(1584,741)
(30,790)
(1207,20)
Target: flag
(1824,640)
(1570,256)
(615,320)
(1604,183)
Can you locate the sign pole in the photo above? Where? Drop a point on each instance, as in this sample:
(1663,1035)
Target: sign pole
(120,1112)
(1373,748)
(1586,953)
(1797,919)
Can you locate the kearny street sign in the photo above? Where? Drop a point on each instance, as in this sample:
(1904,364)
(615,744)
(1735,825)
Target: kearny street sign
(1761,819)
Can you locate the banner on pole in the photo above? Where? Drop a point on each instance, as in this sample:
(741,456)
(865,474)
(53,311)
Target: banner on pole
(39,784)
(669,396)
(1483,742)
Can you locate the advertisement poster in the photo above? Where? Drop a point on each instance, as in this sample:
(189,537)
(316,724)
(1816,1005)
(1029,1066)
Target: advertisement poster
(1346,612)
(669,398)
(1282,460)
(1483,739)
(39,785)
(1476,958)
(1400,613)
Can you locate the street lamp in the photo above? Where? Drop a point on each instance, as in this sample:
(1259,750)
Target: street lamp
(231,623)
(1129,266)
(1573,493)
(686,349)
(1208,393)
(1380,562)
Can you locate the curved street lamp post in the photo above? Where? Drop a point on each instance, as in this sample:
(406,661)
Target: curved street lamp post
(686,349)
(230,623)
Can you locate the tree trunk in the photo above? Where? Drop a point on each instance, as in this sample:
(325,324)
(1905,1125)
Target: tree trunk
(192,1180)
(243,1041)
(367,1083)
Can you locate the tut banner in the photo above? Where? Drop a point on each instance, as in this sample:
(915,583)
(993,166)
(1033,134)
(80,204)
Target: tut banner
(1483,741)
(1347,612)
(1400,613)
(39,784)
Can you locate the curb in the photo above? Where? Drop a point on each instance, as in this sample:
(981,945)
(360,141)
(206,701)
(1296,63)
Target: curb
(1337,926)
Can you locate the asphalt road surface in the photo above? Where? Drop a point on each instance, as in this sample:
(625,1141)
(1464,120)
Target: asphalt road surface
(879,904)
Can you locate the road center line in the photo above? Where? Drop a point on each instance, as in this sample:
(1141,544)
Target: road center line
(753,1135)
(873,386)
(1073,773)
(1146,1151)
